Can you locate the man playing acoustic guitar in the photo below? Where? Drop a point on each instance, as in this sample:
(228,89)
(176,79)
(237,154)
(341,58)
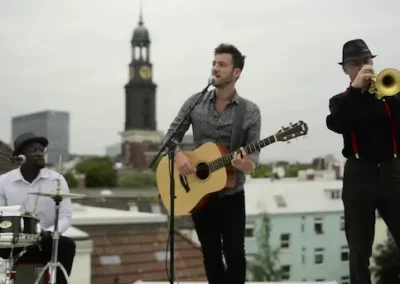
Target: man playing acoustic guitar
(220,224)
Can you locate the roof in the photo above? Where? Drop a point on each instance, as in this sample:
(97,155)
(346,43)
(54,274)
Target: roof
(129,255)
(283,282)
(148,193)
(297,196)
(76,234)
(88,215)
(39,113)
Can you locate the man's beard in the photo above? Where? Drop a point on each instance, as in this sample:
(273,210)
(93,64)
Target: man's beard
(225,82)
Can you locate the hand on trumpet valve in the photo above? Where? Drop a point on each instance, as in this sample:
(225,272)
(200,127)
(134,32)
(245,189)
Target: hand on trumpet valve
(364,77)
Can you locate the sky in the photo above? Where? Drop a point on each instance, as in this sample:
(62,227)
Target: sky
(73,55)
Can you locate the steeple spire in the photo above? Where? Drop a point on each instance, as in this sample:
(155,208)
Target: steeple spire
(140,13)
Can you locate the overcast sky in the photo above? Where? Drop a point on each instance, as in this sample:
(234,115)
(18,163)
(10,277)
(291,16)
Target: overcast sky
(73,55)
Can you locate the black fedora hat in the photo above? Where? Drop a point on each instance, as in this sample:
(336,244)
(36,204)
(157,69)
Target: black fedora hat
(25,139)
(354,50)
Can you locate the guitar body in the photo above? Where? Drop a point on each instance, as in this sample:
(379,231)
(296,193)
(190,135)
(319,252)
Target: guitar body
(192,193)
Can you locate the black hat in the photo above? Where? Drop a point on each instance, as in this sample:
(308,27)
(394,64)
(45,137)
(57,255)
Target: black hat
(25,139)
(355,49)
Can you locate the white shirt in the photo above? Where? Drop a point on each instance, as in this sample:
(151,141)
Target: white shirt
(14,190)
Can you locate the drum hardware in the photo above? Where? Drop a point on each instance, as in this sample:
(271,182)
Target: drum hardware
(18,229)
(52,265)
(9,266)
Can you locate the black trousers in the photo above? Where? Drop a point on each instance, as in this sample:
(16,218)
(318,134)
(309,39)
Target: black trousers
(66,254)
(220,226)
(368,186)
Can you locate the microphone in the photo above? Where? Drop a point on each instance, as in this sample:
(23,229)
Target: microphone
(19,159)
(211,81)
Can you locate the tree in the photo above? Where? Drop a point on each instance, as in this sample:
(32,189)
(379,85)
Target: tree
(71,180)
(293,170)
(98,171)
(265,266)
(387,263)
(262,171)
(137,180)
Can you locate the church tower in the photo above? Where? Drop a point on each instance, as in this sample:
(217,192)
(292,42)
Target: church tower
(140,91)
(140,138)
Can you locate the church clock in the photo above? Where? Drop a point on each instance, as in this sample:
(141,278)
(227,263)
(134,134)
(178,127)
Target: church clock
(145,72)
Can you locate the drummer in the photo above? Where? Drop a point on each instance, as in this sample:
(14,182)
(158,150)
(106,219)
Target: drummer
(32,176)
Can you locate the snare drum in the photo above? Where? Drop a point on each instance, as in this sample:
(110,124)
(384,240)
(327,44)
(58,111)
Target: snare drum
(21,228)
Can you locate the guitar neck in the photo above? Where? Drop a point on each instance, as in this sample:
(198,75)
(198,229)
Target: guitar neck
(249,149)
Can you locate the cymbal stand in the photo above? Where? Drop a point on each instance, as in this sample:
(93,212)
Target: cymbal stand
(53,264)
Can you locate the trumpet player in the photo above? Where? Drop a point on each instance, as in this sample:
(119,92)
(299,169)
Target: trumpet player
(371,133)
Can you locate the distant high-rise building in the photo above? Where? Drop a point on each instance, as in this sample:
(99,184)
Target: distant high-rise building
(54,125)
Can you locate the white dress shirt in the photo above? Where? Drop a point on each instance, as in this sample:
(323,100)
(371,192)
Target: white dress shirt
(14,190)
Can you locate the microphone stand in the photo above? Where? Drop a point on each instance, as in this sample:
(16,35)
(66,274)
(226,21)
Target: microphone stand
(170,146)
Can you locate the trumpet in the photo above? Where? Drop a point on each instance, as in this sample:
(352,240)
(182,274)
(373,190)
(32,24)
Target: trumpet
(386,83)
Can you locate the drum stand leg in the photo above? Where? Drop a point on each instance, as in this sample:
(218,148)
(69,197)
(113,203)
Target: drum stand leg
(53,264)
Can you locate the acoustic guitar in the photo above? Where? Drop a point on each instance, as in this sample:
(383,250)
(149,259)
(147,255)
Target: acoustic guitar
(214,171)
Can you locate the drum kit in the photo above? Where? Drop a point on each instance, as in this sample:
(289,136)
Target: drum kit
(22,230)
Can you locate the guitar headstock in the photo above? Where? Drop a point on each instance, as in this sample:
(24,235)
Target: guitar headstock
(292,131)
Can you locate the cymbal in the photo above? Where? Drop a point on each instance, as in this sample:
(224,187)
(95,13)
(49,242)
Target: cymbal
(62,194)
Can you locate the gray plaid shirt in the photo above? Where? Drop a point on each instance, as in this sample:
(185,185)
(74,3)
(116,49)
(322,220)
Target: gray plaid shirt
(209,126)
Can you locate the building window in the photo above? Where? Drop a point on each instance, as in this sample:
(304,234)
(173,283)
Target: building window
(249,232)
(319,280)
(303,258)
(318,228)
(345,280)
(344,255)
(285,240)
(285,272)
(302,227)
(342,223)
(319,255)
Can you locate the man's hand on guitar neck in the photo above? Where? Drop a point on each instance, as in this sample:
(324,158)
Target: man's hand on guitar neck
(184,164)
(242,162)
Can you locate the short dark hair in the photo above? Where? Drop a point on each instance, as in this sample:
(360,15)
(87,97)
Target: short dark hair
(237,56)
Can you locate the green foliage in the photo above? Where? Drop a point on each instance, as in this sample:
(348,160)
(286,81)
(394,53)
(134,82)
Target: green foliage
(387,263)
(99,172)
(265,170)
(292,171)
(137,180)
(71,181)
(265,266)
(262,171)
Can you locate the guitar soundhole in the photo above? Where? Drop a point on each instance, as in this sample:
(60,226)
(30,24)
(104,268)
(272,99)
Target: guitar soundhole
(202,171)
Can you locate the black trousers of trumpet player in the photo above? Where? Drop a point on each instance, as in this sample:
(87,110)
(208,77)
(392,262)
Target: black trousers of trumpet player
(42,253)
(368,186)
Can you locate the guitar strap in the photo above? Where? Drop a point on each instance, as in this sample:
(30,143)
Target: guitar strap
(237,125)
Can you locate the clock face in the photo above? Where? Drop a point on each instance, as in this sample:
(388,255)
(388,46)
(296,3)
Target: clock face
(145,72)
